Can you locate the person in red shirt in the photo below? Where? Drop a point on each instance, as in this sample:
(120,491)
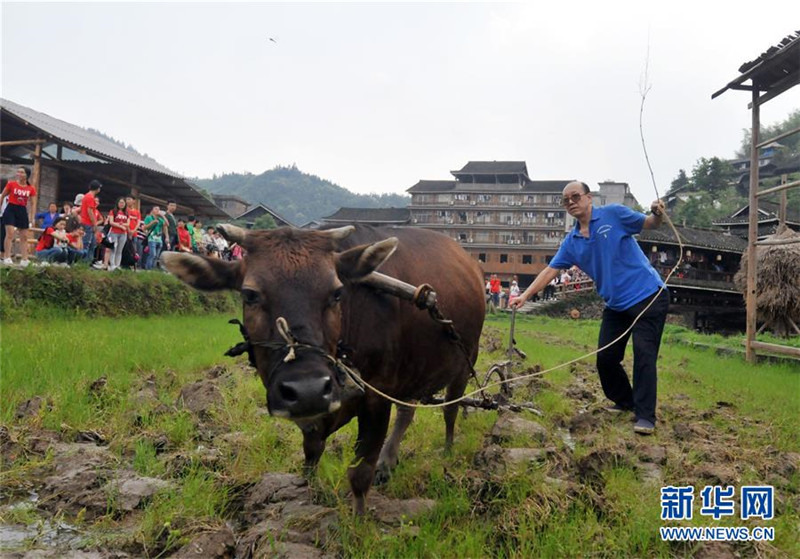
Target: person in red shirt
(184,238)
(118,220)
(133,226)
(75,251)
(89,217)
(52,245)
(15,216)
(494,289)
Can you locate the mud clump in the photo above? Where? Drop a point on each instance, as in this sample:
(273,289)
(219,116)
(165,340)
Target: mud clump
(217,544)
(200,397)
(509,426)
(32,407)
(87,477)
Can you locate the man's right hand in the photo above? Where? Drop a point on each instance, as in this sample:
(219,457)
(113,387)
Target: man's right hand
(517,302)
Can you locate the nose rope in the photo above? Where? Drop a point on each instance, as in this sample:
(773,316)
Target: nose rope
(291,342)
(347,374)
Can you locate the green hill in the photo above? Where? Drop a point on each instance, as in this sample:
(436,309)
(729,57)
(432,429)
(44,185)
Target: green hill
(297,196)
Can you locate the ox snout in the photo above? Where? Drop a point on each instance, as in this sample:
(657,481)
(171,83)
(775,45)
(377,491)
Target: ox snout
(304,397)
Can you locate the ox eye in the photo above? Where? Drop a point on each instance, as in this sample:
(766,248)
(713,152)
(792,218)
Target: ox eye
(250,296)
(337,295)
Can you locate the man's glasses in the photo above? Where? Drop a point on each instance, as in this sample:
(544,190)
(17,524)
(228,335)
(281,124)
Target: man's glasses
(565,201)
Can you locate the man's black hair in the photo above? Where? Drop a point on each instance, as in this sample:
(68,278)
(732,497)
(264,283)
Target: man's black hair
(95,185)
(586,189)
(58,220)
(171,202)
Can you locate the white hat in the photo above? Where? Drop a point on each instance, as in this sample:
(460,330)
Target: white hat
(78,200)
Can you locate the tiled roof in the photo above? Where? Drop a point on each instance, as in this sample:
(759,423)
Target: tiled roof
(769,211)
(82,138)
(771,69)
(546,186)
(104,150)
(230,198)
(695,238)
(260,209)
(369,215)
(432,186)
(424,186)
(493,168)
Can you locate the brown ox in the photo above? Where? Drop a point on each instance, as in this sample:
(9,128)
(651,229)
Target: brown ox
(311,280)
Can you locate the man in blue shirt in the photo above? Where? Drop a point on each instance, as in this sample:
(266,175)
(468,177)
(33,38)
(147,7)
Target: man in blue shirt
(602,245)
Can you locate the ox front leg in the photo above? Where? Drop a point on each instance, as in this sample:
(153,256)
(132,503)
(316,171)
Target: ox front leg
(373,422)
(389,453)
(454,390)
(314,438)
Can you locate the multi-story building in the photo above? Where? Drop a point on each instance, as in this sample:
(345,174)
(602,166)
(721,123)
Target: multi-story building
(508,222)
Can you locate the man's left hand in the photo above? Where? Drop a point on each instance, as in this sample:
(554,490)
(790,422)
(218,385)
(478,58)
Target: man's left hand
(658,208)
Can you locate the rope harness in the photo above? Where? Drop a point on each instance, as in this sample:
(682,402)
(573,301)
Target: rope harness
(346,375)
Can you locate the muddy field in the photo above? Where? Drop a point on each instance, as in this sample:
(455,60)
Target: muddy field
(83,499)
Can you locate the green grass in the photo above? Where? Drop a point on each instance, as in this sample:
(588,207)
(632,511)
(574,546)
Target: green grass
(61,358)
(523,513)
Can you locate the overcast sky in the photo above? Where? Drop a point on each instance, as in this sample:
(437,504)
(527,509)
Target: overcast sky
(375,97)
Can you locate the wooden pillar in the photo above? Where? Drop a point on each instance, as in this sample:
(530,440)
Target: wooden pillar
(784,202)
(35,180)
(752,232)
(135,189)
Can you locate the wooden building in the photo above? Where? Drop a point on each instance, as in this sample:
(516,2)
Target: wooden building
(64,158)
(250,216)
(233,205)
(511,224)
(369,216)
(702,287)
(508,222)
(769,217)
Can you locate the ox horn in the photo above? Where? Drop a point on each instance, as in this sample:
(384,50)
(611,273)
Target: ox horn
(393,286)
(232,233)
(339,233)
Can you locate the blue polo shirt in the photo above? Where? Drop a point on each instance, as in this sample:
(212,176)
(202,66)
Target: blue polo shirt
(611,256)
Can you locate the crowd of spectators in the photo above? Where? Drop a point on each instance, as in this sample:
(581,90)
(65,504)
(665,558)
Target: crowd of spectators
(121,238)
(498,296)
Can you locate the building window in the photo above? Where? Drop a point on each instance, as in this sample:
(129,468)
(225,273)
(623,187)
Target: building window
(462,197)
(482,257)
(547,258)
(527,259)
(484,197)
(503,258)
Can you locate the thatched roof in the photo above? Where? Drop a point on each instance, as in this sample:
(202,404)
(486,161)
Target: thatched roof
(777,285)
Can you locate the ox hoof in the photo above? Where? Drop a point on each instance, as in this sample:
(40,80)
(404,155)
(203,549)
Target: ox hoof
(383,473)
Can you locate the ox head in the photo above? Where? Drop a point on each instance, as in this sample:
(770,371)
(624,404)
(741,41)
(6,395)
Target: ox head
(298,276)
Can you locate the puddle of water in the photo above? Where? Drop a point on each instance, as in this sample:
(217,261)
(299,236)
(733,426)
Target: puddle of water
(566,436)
(47,534)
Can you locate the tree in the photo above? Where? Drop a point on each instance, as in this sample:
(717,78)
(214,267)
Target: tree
(679,182)
(711,175)
(791,143)
(265,222)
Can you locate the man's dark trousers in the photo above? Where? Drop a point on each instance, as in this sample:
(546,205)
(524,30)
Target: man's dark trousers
(646,342)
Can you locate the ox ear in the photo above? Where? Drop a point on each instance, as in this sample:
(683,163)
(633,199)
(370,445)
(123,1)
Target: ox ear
(365,259)
(232,233)
(200,272)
